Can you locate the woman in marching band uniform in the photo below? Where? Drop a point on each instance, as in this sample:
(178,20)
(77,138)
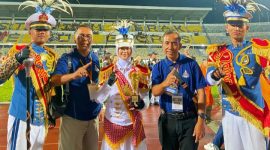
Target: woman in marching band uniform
(126,93)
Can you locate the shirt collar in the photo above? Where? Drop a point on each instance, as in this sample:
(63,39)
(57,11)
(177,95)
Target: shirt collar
(80,56)
(178,60)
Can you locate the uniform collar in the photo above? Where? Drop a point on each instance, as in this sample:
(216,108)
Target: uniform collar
(242,45)
(124,65)
(38,49)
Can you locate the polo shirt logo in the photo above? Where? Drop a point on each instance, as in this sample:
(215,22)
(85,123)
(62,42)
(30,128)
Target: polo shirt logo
(185,74)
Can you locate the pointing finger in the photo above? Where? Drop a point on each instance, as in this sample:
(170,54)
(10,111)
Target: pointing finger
(87,65)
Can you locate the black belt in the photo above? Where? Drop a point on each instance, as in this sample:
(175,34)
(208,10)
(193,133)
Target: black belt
(180,115)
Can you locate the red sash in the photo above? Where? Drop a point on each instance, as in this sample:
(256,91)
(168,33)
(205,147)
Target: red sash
(247,109)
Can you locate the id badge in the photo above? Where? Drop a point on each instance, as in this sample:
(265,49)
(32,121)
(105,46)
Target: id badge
(177,103)
(92,89)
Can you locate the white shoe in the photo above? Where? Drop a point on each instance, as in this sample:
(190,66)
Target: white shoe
(210,146)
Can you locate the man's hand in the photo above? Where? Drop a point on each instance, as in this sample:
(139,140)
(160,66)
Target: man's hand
(199,130)
(23,54)
(171,79)
(82,71)
(218,73)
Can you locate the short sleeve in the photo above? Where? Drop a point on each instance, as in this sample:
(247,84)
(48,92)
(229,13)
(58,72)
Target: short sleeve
(62,65)
(156,74)
(199,78)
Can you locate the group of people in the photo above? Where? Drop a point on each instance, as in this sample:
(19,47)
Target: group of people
(122,87)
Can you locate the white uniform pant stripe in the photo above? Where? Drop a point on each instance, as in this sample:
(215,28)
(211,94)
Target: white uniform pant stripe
(240,134)
(37,135)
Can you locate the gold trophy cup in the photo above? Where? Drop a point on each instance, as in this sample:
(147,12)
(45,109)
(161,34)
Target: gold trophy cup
(135,86)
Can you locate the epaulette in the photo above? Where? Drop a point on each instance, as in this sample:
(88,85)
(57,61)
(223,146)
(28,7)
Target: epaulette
(261,48)
(143,69)
(51,52)
(144,73)
(15,49)
(11,53)
(105,73)
(214,47)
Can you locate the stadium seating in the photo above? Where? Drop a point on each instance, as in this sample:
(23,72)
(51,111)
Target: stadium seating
(199,40)
(108,27)
(194,28)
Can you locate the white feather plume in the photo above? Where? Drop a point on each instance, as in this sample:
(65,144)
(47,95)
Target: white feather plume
(123,23)
(250,5)
(61,5)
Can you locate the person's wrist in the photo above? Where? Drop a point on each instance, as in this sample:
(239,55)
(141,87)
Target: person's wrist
(202,116)
(214,77)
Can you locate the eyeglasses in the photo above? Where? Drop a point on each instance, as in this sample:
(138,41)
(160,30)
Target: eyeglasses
(88,36)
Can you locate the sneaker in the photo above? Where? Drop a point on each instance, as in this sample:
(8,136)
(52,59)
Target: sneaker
(210,146)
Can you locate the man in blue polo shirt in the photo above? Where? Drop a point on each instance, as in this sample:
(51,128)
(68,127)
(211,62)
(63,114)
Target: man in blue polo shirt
(176,78)
(79,127)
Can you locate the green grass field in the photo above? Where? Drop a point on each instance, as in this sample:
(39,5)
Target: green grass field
(6,91)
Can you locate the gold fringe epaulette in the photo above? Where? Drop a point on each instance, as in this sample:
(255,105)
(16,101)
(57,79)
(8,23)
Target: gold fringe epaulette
(13,50)
(261,48)
(144,73)
(213,48)
(105,73)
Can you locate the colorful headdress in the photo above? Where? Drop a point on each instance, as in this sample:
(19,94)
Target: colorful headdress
(240,10)
(43,19)
(123,39)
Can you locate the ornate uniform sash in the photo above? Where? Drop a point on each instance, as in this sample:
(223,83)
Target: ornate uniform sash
(256,115)
(136,129)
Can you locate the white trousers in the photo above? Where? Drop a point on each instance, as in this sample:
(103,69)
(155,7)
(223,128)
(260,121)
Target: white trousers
(240,134)
(16,135)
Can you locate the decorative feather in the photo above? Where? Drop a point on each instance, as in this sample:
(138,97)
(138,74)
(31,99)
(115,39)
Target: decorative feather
(47,6)
(123,26)
(249,5)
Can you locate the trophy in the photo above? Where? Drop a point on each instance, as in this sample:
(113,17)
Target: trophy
(135,86)
(173,88)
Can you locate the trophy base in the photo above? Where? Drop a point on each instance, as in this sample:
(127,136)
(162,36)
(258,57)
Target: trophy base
(171,91)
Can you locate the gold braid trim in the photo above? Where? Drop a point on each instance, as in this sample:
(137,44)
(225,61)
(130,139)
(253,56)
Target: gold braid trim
(245,114)
(263,51)
(213,48)
(115,146)
(105,73)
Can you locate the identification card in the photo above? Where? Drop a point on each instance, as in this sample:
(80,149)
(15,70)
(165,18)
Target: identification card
(177,103)
(92,89)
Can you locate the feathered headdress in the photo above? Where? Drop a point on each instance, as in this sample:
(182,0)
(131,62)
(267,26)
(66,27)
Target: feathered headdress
(240,9)
(123,26)
(123,39)
(43,19)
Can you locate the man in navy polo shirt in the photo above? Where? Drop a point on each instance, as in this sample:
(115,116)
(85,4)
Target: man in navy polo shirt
(79,127)
(176,78)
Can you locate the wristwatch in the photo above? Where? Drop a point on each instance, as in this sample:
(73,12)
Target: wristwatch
(202,115)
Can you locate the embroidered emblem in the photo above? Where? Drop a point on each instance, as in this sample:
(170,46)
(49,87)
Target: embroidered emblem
(185,74)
